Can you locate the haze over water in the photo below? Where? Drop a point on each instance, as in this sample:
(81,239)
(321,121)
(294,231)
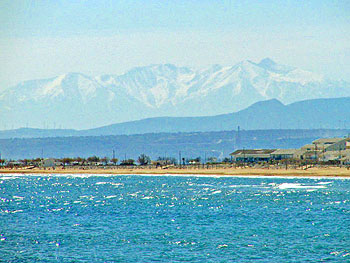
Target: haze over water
(173,219)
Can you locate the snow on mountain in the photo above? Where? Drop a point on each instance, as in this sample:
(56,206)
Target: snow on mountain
(75,100)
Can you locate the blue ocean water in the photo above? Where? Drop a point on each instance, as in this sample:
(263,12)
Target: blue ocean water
(130,218)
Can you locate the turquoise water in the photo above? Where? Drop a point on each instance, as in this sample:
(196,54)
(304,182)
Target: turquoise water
(173,219)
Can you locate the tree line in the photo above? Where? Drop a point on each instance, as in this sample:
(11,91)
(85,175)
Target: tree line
(142,159)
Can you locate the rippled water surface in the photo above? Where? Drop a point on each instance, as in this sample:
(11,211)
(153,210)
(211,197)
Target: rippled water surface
(63,218)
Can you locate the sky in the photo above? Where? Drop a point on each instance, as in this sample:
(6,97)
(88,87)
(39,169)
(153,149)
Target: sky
(43,39)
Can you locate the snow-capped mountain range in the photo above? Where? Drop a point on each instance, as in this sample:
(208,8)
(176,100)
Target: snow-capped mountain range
(78,101)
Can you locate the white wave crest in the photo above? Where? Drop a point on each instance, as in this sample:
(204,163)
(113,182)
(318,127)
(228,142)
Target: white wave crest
(299,186)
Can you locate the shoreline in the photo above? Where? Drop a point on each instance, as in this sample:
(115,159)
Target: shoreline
(311,172)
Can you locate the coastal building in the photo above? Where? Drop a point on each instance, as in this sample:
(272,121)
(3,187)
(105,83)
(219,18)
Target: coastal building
(298,154)
(258,155)
(308,152)
(332,149)
(308,147)
(282,154)
(346,156)
(325,142)
(339,156)
(340,145)
(252,155)
(323,149)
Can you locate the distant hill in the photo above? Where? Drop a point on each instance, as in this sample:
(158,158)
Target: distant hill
(78,101)
(270,114)
(193,144)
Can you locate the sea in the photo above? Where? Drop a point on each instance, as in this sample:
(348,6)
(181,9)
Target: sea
(170,218)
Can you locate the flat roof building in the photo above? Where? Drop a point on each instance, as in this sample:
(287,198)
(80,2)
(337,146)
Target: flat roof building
(341,145)
(327,141)
(282,154)
(252,155)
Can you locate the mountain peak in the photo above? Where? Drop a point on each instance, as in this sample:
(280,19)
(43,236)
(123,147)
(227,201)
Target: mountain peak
(270,65)
(267,62)
(268,103)
(160,90)
(74,75)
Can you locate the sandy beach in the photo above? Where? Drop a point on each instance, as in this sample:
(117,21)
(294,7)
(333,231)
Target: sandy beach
(319,172)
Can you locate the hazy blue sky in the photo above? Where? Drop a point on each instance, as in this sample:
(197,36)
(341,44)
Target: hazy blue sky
(40,39)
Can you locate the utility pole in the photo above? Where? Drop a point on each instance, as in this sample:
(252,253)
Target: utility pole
(323,154)
(316,153)
(243,156)
(180,158)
